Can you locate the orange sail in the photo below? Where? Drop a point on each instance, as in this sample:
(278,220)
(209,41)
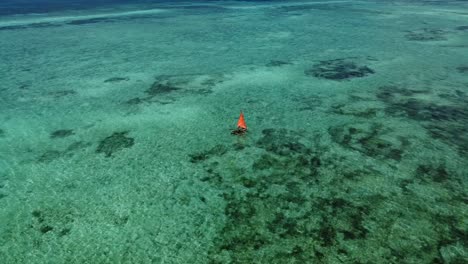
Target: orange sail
(241,122)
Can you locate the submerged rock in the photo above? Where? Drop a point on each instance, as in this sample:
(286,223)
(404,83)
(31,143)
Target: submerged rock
(115,142)
(338,70)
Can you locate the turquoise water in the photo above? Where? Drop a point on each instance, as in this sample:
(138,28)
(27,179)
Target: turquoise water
(116,119)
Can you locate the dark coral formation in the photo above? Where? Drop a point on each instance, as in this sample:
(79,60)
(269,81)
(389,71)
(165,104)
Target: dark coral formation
(446,122)
(260,219)
(117,79)
(433,173)
(24,86)
(338,70)
(426,34)
(454,134)
(2,185)
(447,226)
(51,155)
(75,146)
(342,109)
(62,133)
(428,111)
(401,102)
(389,93)
(217,150)
(135,101)
(63,93)
(2,132)
(282,142)
(462,69)
(159,88)
(307,102)
(47,221)
(277,63)
(369,141)
(167,88)
(272,211)
(462,28)
(294,203)
(114,143)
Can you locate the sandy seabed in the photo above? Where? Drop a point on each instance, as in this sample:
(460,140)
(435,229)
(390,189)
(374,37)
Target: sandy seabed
(115,142)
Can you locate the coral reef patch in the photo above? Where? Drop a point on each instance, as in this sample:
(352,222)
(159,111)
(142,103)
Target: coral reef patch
(370,140)
(166,89)
(277,63)
(51,155)
(63,93)
(62,133)
(116,79)
(52,221)
(456,135)
(135,101)
(462,69)
(426,34)
(114,143)
(338,70)
(282,142)
(295,202)
(351,110)
(307,102)
(462,28)
(444,121)
(159,88)
(217,150)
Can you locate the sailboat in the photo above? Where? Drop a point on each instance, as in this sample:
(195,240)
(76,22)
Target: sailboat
(241,126)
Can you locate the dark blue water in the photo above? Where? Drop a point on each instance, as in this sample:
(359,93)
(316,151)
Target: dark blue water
(12,7)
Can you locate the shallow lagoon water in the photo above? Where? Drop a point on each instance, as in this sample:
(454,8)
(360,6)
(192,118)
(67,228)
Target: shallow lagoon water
(115,142)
